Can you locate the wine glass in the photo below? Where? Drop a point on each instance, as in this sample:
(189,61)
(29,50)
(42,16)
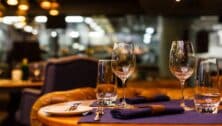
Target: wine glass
(123,64)
(182,63)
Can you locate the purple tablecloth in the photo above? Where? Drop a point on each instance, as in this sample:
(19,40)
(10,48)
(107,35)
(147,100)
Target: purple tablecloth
(188,117)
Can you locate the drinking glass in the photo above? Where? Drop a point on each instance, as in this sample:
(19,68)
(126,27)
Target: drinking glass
(207,87)
(106,88)
(123,64)
(182,63)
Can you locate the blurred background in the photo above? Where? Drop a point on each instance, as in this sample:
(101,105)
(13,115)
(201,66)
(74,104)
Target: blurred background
(42,29)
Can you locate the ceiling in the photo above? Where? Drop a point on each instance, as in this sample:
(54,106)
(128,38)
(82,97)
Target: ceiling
(120,7)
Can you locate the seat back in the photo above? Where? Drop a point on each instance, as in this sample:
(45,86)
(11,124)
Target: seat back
(69,73)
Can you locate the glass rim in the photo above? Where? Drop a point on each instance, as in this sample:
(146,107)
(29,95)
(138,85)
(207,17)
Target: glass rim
(106,60)
(187,41)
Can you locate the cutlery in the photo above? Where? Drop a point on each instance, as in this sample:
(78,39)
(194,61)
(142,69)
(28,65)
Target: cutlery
(73,107)
(86,113)
(99,113)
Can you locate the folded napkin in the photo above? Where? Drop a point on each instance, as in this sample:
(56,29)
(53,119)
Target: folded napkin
(150,110)
(142,99)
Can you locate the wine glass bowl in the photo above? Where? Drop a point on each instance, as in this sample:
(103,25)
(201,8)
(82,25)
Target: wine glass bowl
(123,64)
(182,63)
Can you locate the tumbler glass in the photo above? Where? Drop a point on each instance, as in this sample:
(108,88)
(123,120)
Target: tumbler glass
(207,87)
(106,89)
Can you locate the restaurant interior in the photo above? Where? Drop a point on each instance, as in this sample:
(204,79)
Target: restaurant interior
(36,35)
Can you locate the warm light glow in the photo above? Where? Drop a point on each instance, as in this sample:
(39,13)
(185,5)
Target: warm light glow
(21,12)
(2,10)
(178,0)
(45,4)
(20,25)
(54,4)
(23,7)
(12,2)
(41,19)
(1,19)
(74,19)
(1,13)
(54,12)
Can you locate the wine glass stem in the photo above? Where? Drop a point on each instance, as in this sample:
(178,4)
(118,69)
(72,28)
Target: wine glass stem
(182,82)
(124,92)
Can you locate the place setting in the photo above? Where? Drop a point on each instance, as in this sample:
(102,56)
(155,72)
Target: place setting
(108,106)
(159,108)
(67,109)
(202,109)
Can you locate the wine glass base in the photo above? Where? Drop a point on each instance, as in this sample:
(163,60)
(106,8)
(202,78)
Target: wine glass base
(186,108)
(124,105)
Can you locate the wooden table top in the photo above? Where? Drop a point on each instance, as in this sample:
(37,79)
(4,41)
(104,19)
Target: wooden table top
(73,121)
(6,83)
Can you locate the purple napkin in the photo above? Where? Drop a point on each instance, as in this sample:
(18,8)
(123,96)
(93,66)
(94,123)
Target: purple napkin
(142,99)
(145,112)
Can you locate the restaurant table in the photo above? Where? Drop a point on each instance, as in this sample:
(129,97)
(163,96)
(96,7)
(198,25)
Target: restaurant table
(14,88)
(73,121)
(11,85)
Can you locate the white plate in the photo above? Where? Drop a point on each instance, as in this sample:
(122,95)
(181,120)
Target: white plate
(62,109)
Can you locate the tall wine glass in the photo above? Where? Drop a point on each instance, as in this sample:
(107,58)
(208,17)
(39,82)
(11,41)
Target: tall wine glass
(123,64)
(182,63)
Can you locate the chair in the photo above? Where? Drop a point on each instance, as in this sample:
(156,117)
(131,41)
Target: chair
(60,74)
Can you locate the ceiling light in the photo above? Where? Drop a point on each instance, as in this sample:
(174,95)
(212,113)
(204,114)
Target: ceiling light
(12,2)
(54,12)
(178,0)
(149,30)
(24,5)
(41,19)
(45,4)
(53,34)
(74,19)
(147,38)
(74,34)
(13,19)
(89,20)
